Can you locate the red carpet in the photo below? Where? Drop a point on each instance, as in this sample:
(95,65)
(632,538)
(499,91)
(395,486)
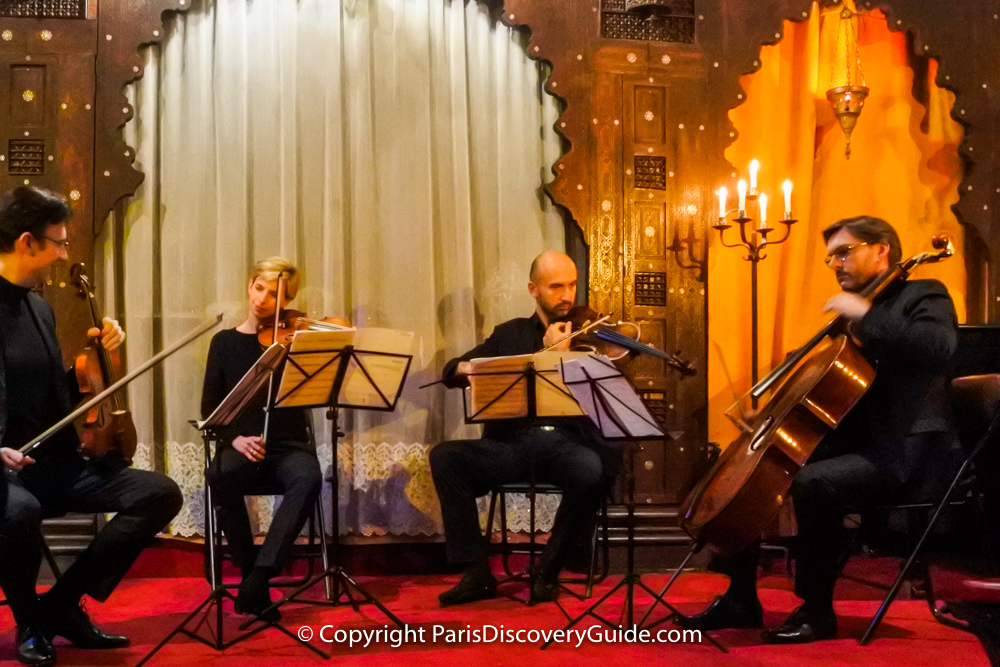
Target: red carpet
(146,609)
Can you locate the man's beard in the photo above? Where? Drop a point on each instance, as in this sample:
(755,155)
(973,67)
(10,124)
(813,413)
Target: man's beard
(554,316)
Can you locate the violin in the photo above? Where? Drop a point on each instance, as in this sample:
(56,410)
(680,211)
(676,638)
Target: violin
(813,389)
(107,428)
(289,321)
(618,341)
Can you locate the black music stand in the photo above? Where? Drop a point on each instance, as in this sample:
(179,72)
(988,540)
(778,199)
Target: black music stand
(322,372)
(609,399)
(230,408)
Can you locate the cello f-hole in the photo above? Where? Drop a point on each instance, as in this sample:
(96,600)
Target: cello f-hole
(758,438)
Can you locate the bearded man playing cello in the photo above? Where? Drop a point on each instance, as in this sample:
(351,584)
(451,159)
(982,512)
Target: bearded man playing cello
(881,451)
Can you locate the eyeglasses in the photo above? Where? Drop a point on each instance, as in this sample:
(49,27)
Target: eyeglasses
(842,253)
(61,242)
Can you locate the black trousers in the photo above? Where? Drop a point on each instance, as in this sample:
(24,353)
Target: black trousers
(823,493)
(464,470)
(290,471)
(144,502)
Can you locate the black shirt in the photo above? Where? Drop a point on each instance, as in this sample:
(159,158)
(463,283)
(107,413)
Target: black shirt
(37,390)
(230,356)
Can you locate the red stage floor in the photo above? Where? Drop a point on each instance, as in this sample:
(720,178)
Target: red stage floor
(147,608)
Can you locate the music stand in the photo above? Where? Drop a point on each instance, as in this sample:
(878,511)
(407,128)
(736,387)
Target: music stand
(610,400)
(223,415)
(330,369)
(526,387)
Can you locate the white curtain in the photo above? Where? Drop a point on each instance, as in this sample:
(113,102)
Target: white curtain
(394,150)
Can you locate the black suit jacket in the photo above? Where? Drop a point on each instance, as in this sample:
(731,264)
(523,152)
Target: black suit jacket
(909,334)
(66,393)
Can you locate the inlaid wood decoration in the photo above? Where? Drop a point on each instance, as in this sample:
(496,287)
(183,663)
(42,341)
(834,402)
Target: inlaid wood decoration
(645,120)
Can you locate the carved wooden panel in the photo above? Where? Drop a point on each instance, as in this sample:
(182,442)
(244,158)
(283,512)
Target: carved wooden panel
(47,86)
(650,230)
(63,68)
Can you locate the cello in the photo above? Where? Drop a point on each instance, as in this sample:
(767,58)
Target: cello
(107,428)
(813,390)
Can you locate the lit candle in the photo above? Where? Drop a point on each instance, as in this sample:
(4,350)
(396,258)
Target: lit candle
(741,189)
(762,204)
(754,167)
(787,187)
(722,192)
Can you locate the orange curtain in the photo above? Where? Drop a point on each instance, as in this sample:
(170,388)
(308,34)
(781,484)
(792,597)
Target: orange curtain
(904,168)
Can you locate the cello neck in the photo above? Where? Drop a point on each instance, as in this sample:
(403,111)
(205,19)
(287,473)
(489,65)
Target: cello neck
(898,271)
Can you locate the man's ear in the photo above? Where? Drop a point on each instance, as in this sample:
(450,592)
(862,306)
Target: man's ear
(533,289)
(883,250)
(27,243)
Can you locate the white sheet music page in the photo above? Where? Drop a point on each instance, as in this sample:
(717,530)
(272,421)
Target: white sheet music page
(383,371)
(608,398)
(313,359)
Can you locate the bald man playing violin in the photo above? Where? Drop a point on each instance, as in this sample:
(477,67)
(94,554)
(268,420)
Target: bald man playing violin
(567,453)
(895,444)
(35,393)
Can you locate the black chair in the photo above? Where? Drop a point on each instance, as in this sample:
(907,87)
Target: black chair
(315,548)
(532,548)
(976,404)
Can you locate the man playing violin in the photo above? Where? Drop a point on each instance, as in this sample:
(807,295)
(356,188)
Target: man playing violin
(286,462)
(568,453)
(35,393)
(886,449)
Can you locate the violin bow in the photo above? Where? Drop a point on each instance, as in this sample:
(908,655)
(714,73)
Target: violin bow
(83,409)
(581,330)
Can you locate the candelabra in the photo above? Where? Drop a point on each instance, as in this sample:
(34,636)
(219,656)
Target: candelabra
(753,241)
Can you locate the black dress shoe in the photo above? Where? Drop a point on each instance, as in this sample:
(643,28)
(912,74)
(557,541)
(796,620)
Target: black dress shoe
(724,612)
(478,583)
(544,587)
(34,648)
(254,599)
(72,622)
(803,627)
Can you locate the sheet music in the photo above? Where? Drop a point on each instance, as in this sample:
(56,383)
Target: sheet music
(499,388)
(608,398)
(385,372)
(312,367)
(248,386)
(491,377)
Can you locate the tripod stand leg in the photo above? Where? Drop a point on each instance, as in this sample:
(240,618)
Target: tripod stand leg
(589,611)
(659,597)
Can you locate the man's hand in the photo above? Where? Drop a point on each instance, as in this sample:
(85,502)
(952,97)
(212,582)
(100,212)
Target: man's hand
(250,446)
(464,368)
(558,331)
(14,459)
(111,335)
(851,306)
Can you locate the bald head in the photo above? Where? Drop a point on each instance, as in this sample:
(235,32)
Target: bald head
(553,284)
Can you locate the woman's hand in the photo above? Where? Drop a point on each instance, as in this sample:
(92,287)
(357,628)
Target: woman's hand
(250,446)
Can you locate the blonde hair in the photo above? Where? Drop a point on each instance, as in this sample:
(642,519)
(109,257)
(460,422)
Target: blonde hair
(269,269)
